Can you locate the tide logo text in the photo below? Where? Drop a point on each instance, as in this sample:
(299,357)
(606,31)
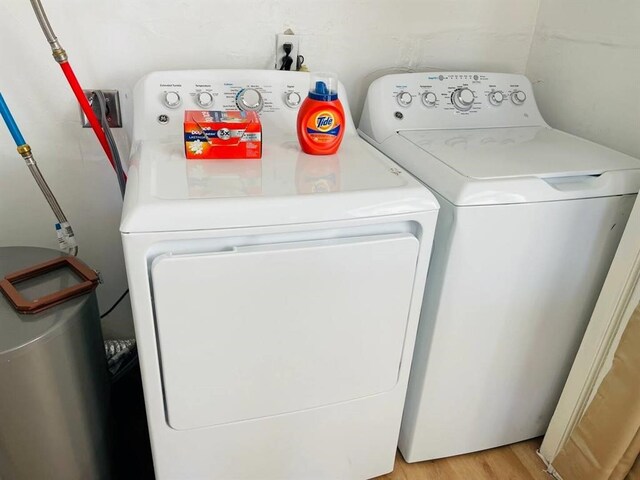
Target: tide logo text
(324,121)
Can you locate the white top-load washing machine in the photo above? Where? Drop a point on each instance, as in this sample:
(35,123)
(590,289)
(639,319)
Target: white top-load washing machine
(276,301)
(530,219)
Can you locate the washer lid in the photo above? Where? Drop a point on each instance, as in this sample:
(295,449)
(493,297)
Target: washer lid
(166,192)
(501,153)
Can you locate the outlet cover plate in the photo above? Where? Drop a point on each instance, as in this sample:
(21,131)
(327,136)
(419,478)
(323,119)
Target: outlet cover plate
(114,113)
(281,39)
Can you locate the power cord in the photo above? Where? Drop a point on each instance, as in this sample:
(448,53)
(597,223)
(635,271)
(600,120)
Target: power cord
(287,61)
(115,304)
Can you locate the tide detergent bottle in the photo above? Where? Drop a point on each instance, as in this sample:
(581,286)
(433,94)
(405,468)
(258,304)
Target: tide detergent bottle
(321,120)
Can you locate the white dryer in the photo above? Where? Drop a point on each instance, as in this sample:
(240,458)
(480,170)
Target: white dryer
(530,220)
(276,301)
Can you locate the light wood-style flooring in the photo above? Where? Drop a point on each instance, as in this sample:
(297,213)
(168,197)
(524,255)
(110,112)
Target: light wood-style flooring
(512,462)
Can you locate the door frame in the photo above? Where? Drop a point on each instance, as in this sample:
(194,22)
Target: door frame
(618,299)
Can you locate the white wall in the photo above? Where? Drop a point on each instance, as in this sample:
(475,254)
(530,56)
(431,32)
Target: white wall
(113,43)
(585,66)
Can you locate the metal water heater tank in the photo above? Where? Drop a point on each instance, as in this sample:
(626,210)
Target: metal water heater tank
(54,387)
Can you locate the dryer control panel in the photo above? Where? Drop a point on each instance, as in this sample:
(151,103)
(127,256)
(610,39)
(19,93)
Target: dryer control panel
(446,100)
(161,98)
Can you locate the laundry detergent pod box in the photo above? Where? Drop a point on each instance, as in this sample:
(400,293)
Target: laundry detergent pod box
(222,135)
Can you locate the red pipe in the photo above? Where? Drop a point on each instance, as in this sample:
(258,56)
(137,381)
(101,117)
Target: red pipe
(86,108)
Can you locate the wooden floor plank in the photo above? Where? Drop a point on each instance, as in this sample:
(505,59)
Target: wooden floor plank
(534,464)
(512,462)
(503,463)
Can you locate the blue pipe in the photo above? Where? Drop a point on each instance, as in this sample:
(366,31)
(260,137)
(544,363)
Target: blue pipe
(11,123)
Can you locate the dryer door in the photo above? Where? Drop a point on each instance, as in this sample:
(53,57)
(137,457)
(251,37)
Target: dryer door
(270,329)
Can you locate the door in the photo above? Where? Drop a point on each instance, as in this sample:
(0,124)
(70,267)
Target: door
(618,299)
(264,330)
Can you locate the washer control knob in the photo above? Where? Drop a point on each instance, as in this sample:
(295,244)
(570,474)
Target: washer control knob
(249,100)
(292,99)
(172,99)
(496,98)
(518,97)
(429,99)
(404,99)
(463,99)
(204,99)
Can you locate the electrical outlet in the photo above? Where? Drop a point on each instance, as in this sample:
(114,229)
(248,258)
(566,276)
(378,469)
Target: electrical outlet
(114,114)
(294,40)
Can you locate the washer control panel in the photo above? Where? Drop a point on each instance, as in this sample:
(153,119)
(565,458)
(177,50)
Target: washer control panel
(161,98)
(449,100)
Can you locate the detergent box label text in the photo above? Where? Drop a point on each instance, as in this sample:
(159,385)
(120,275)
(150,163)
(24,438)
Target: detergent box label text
(222,135)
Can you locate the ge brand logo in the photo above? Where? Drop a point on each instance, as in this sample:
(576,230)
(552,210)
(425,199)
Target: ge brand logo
(224,134)
(163,119)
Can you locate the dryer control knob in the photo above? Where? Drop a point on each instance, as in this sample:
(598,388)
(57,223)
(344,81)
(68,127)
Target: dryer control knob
(404,99)
(518,97)
(463,99)
(292,99)
(496,98)
(249,100)
(172,99)
(204,99)
(429,99)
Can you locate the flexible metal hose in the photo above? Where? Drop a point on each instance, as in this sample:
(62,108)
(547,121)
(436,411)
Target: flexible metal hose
(49,196)
(45,25)
(44,188)
(60,56)
(25,152)
(100,128)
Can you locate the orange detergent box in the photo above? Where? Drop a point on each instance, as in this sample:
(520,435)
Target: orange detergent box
(216,134)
